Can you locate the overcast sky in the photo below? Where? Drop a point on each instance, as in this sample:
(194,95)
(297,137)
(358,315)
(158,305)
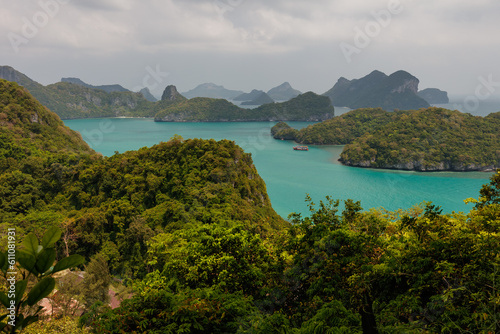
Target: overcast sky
(246,44)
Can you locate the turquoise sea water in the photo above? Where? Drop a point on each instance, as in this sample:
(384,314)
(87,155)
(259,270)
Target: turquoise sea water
(289,174)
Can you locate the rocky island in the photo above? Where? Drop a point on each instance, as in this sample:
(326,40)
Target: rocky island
(434,96)
(432,139)
(377,90)
(305,107)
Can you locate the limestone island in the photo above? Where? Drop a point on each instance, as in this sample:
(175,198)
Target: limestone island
(429,139)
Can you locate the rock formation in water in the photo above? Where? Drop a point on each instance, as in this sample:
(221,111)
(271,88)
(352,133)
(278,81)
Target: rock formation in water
(434,96)
(377,90)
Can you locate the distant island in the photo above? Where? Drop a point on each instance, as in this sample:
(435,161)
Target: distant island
(283,92)
(213,91)
(434,96)
(259,100)
(306,107)
(249,96)
(432,139)
(74,99)
(377,90)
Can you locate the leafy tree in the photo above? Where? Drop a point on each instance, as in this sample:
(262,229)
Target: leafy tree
(96,281)
(490,193)
(33,273)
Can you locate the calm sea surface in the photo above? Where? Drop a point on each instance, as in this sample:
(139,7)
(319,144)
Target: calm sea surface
(289,174)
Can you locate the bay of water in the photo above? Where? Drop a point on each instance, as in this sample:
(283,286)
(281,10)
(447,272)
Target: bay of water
(289,174)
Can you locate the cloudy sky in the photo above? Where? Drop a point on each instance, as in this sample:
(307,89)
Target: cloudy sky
(244,44)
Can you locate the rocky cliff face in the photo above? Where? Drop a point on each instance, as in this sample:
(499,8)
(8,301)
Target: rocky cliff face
(408,85)
(9,74)
(421,166)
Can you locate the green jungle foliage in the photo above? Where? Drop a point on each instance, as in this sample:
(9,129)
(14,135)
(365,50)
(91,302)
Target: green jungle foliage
(337,271)
(189,223)
(114,205)
(430,139)
(28,129)
(305,107)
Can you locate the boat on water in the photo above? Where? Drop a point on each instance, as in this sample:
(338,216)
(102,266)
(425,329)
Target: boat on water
(301,148)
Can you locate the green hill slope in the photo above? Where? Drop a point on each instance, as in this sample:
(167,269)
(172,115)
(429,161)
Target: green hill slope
(28,128)
(113,206)
(70,100)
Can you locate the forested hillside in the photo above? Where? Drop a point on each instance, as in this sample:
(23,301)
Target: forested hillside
(70,100)
(187,229)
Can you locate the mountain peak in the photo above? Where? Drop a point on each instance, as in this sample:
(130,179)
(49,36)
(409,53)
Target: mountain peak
(170,93)
(283,92)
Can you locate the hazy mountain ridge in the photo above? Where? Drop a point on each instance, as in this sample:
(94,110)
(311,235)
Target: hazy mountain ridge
(249,96)
(283,92)
(106,88)
(212,90)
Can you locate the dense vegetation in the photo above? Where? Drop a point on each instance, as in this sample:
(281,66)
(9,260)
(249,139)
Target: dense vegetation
(425,139)
(430,139)
(189,223)
(305,107)
(108,203)
(341,272)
